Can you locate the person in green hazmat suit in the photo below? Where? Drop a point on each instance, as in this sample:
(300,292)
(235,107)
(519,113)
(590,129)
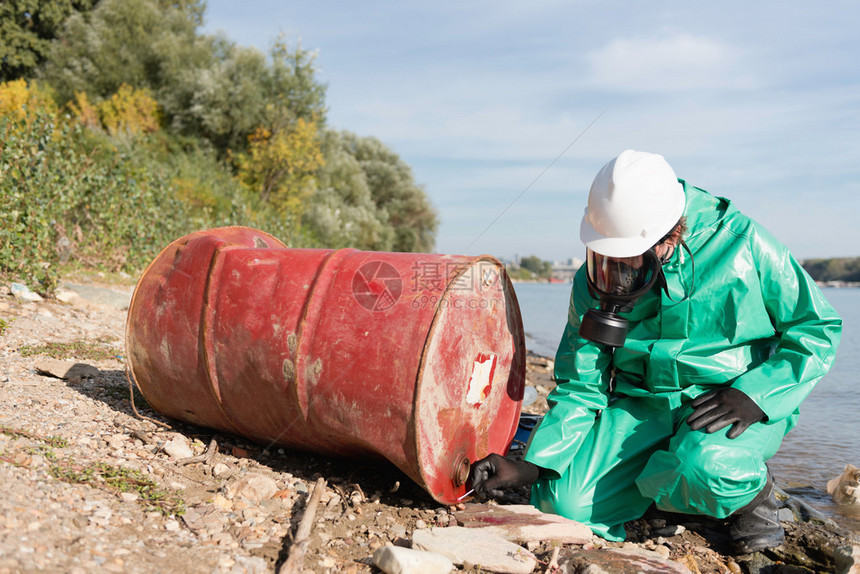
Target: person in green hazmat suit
(692,338)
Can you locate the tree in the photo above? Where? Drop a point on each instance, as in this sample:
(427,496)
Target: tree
(342,212)
(262,115)
(242,90)
(21,101)
(129,111)
(367,199)
(147,44)
(536,265)
(280,166)
(835,269)
(26,30)
(223,102)
(402,202)
(206,86)
(290,82)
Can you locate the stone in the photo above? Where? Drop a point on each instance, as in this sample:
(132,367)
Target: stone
(65,296)
(239,452)
(23,294)
(178,448)
(847,559)
(475,547)
(845,488)
(523,523)
(66,370)
(671,530)
(253,513)
(194,518)
(253,487)
(786,515)
(805,513)
(116,441)
(222,539)
(398,560)
(221,502)
(619,561)
(220,469)
(283,494)
(758,563)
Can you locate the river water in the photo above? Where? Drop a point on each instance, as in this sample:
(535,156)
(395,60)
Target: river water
(827,436)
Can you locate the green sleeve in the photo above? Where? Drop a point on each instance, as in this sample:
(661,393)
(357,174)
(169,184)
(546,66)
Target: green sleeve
(806,326)
(582,372)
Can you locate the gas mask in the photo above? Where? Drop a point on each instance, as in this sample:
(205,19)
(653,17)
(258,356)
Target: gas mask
(617,282)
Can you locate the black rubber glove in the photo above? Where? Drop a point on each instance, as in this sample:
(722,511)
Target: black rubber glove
(721,408)
(493,473)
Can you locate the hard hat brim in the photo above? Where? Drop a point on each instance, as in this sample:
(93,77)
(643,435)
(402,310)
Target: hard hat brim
(625,246)
(612,246)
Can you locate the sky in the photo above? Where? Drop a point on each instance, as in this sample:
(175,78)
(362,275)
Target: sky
(506,110)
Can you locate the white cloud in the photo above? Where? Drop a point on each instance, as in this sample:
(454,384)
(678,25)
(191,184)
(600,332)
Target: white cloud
(667,63)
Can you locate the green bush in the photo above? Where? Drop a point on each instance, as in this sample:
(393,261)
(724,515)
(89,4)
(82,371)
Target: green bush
(64,196)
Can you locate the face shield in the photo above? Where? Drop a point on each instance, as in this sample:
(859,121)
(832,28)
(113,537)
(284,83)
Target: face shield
(616,282)
(622,278)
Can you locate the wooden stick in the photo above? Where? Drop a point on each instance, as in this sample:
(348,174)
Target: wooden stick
(293,564)
(205,457)
(553,562)
(142,435)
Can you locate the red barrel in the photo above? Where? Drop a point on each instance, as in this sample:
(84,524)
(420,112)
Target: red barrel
(419,358)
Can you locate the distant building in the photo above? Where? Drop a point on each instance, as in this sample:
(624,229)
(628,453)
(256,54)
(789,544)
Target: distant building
(561,271)
(566,270)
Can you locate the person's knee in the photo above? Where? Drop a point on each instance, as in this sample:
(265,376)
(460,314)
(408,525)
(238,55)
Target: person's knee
(571,503)
(719,479)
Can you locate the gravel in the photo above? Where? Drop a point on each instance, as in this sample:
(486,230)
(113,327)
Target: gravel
(88,485)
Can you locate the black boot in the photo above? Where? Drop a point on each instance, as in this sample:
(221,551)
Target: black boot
(756,526)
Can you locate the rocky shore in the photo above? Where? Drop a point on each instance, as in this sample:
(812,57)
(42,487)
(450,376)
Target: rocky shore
(88,485)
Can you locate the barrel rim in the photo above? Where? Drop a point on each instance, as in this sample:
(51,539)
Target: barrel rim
(519,341)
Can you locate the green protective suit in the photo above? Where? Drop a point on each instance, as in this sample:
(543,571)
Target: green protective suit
(752,319)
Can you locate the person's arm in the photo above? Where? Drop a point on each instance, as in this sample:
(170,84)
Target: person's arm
(806,325)
(582,371)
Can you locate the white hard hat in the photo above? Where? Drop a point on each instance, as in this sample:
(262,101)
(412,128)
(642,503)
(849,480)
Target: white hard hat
(634,201)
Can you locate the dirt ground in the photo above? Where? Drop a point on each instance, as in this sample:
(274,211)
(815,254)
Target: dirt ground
(89,485)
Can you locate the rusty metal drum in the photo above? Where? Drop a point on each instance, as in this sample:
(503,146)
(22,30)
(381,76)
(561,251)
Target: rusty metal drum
(417,358)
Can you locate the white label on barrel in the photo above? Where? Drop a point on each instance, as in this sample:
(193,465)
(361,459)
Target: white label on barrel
(482,378)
